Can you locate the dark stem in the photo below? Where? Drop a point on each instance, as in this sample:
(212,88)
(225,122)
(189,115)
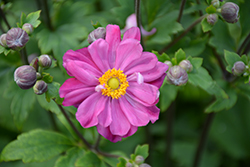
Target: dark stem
(170,123)
(200,12)
(247,49)
(243,44)
(24,56)
(97,141)
(46,10)
(2,14)
(138,18)
(203,139)
(53,121)
(183,34)
(74,128)
(183,2)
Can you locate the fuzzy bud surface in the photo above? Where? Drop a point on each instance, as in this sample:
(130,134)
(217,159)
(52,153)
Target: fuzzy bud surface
(238,68)
(44,61)
(40,87)
(16,38)
(25,76)
(229,12)
(3,40)
(176,75)
(100,32)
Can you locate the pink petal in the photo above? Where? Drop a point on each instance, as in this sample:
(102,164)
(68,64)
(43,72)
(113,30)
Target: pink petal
(145,93)
(99,53)
(159,81)
(83,75)
(105,118)
(105,132)
(133,33)
(155,73)
(147,33)
(128,51)
(132,130)
(136,117)
(120,124)
(89,109)
(146,62)
(113,37)
(69,85)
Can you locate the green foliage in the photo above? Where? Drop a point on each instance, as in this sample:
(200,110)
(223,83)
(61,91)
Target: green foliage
(4,50)
(90,159)
(179,56)
(205,25)
(31,18)
(36,146)
(231,58)
(53,93)
(211,9)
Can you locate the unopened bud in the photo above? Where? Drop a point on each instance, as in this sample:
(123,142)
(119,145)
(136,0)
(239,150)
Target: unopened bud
(100,32)
(34,63)
(16,38)
(176,75)
(28,28)
(144,165)
(215,3)
(229,12)
(186,65)
(238,68)
(169,63)
(139,159)
(25,76)
(128,164)
(3,40)
(45,61)
(212,19)
(40,87)
(31,57)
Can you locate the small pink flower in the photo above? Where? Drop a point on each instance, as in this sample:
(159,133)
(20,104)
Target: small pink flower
(115,85)
(131,22)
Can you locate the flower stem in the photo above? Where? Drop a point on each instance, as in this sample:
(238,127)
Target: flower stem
(183,2)
(97,142)
(24,56)
(46,9)
(183,34)
(243,44)
(203,139)
(198,2)
(138,18)
(2,14)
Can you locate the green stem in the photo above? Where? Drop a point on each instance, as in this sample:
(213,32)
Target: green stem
(183,34)
(183,2)
(2,14)
(138,18)
(243,44)
(46,9)
(203,139)
(24,56)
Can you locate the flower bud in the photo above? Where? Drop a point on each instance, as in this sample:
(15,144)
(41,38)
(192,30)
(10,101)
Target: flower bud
(212,19)
(25,76)
(186,65)
(139,159)
(144,165)
(28,28)
(34,63)
(215,3)
(40,87)
(16,38)
(169,63)
(229,12)
(176,75)
(3,40)
(32,56)
(100,32)
(238,68)
(45,61)
(128,164)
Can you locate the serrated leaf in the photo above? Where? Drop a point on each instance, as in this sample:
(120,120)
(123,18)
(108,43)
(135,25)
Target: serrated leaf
(4,50)
(231,58)
(47,77)
(70,158)
(244,59)
(142,150)
(179,56)
(53,92)
(163,57)
(211,9)
(206,26)
(89,159)
(31,18)
(36,146)
(196,62)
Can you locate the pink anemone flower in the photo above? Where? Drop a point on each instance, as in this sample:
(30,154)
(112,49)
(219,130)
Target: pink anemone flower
(114,84)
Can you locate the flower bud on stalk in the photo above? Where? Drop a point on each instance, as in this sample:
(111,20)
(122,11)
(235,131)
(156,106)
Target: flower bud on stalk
(169,63)
(144,165)
(45,61)
(215,3)
(186,65)
(3,40)
(34,63)
(40,87)
(176,75)
(16,38)
(25,76)
(229,12)
(212,19)
(100,32)
(28,28)
(139,159)
(128,164)
(238,68)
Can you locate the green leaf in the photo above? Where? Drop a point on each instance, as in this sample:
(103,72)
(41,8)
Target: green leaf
(31,18)
(244,59)
(70,158)
(4,50)
(53,93)
(36,146)
(96,25)
(196,62)
(122,162)
(89,159)
(231,58)
(47,77)
(211,9)
(168,93)
(142,150)
(163,57)
(179,56)
(205,25)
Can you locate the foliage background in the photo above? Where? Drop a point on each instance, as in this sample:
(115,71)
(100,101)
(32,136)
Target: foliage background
(70,22)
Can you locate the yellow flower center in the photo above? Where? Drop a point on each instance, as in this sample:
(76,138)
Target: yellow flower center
(115,83)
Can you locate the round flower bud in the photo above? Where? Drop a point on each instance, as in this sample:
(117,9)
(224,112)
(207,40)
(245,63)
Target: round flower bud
(28,28)
(16,38)
(139,159)
(229,12)
(169,63)
(238,68)
(128,164)
(45,61)
(176,75)
(3,40)
(215,3)
(100,32)
(144,165)
(25,76)
(186,65)
(40,87)
(34,63)
(212,19)
(32,56)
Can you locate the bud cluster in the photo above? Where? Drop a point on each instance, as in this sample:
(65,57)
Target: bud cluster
(137,162)
(27,76)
